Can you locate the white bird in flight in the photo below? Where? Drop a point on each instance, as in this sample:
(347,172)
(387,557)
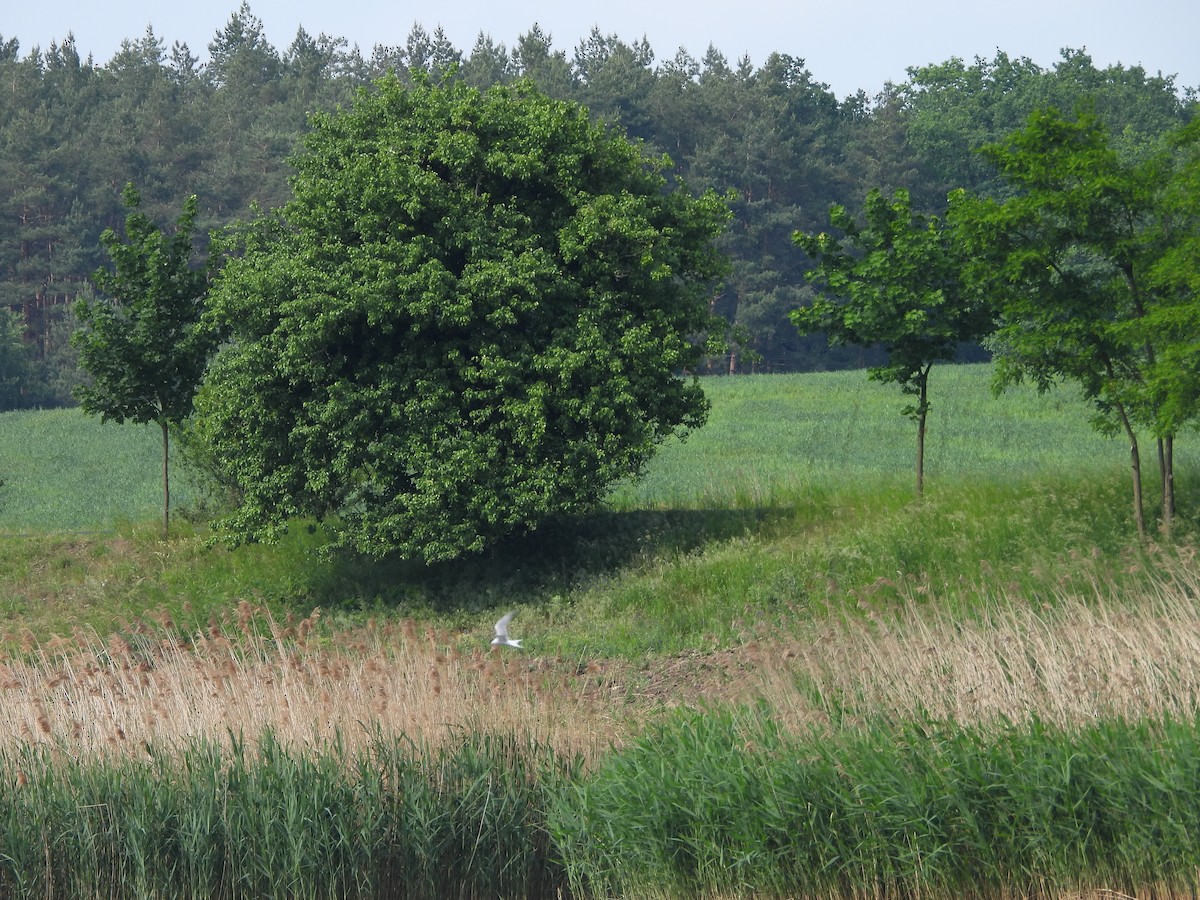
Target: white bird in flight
(502,632)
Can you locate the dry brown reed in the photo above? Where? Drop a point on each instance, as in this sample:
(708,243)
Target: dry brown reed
(1077,658)
(248,673)
(1073,660)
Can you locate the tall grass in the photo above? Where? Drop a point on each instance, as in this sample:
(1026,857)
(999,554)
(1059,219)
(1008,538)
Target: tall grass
(953,697)
(1099,653)
(247,674)
(718,803)
(1106,652)
(723,803)
(394,819)
(899,751)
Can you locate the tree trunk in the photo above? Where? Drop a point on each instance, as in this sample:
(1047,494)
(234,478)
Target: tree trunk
(922,411)
(1135,462)
(1166,455)
(166,482)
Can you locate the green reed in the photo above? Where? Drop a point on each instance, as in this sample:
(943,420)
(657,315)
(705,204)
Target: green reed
(727,804)
(723,802)
(267,821)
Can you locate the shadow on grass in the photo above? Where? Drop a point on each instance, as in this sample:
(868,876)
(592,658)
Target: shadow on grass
(561,556)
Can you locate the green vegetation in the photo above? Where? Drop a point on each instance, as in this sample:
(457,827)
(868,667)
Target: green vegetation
(792,499)
(66,472)
(1067,261)
(142,345)
(213,822)
(712,803)
(772,439)
(74,130)
(981,693)
(894,283)
(728,804)
(881,670)
(469,318)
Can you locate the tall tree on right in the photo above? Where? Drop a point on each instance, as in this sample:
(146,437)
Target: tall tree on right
(1068,256)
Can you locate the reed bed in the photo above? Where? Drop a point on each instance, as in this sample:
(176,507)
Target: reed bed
(896,751)
(720,803)
(210,820)
(728,804)
(1071,659)
(1068,660)
(248,674)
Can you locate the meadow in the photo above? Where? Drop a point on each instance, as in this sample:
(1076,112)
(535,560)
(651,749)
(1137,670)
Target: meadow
(767,668)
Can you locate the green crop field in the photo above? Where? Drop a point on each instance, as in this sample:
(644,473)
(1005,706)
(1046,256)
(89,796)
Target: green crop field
(781,435)
(767,669)
(769,438)
(65,471)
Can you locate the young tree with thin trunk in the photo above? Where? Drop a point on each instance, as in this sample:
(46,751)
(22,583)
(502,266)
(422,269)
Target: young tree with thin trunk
(1068,258)
(142,341)
(893,282)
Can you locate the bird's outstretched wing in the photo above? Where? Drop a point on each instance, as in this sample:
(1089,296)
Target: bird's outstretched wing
(502,625)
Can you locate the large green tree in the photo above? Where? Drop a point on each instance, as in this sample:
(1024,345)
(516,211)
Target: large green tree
(476,312)
(1175,275)
(893,281)
(142,342)
(1068,257)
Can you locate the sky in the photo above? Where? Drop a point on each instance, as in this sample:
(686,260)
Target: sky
(846,44)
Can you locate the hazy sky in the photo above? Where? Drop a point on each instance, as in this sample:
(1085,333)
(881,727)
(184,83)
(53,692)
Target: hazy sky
(848,44)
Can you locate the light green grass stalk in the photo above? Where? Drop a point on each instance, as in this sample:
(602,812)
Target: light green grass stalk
(721,804)
(267,821)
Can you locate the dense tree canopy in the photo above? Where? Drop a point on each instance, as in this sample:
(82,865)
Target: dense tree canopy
(1070,256)
(474,314)
(74,131)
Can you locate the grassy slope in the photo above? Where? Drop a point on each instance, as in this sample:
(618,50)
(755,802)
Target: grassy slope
(785,508)
(795,499)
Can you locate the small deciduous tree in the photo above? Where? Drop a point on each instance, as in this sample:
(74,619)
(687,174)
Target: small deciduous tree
(893,281)
(474,314)
(142,341)
(1069,257)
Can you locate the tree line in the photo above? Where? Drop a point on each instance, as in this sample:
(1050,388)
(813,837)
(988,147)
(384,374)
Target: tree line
(1083,269)
(772,137)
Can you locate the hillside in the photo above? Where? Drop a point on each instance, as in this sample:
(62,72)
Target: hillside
(767,669)
(797,494)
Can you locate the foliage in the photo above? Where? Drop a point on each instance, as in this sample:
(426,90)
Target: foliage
(772,512)
(74,130)
(143,345)
(954,108)
(473,315)
(894,283)
(1068,259)
(263,820)
(714,802)
(15,363)
(1174,321)
(721,803)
